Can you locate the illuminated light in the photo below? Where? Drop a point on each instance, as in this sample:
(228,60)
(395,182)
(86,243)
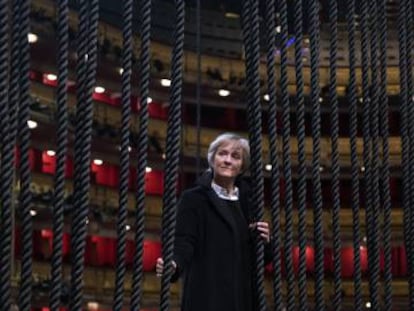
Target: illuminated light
(87,220)
(368,305)
(97,162)
(166,82)
(266,97)
(320,99)
(31,124)
(121,71)
(321,168)
(149,100)
(163,156)
(223,92)
(306,40)
(33,213)
(148,169)
(99,89)
(51,77)
(231,15)
(127,227)
(32,38)
(361,100)
(278,29)
(364,239)
(93,305)
(268,167)
(362,168)
(304,59)
(51,153)
(129,148)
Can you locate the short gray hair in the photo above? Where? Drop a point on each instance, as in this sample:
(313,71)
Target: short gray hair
(227,137)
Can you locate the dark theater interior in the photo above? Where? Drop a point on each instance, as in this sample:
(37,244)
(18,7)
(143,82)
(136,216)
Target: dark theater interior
(214,98)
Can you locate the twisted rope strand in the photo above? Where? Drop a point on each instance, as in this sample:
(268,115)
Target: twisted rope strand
(25,292)
(300,115)
(124,155)
(353,125)
(335,168)
(84,133)
(275,174)
(62,132)
(256,166)
(374,254)
(385,170)
(287,161)
(316,178)
(5,178)
(172,153)
(410,99)
(142,154)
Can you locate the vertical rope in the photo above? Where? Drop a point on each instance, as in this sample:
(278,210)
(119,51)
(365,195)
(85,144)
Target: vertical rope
(137,275)
(124,155)
(83,150)
(335,168)
(172,153)
(273,148)
(374,252)
(302,174)
(5,178)
(353,125)
(256,166)
(316,178)
(405,142)
(366,129)
(410,98)
(385,174)
(25,178)
(287,161)
(62,132)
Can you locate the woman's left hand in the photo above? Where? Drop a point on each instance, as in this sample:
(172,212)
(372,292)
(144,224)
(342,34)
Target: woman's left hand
(263,228)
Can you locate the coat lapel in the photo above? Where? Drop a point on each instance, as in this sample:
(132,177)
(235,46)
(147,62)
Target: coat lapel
(221,209)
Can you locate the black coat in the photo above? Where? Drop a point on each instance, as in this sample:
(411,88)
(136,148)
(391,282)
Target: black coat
(207,250)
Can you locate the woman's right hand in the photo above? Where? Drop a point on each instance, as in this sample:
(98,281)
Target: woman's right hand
(159,267)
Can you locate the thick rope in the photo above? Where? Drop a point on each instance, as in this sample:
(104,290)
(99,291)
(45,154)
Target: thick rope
(25,176)
(366,129)
(62,132)
(142,147)
(316,178)
(247,34)
(287,161)
(374,251)
(82,166)
(172,153)
(273,148)
(353,125)
(302,173)
(335,168)
(385,170)
(256,166)
(5,178)
(124,155)
(405,142)
(410,98)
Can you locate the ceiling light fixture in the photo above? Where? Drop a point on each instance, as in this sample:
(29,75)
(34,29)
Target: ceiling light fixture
(223,92)
(166,82)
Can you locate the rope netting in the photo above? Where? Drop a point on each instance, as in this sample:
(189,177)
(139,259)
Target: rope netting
(301,214)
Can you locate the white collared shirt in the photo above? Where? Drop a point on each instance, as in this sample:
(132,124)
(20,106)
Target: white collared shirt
(224,194)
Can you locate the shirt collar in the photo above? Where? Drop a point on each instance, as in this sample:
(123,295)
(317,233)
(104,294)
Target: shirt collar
(224,194)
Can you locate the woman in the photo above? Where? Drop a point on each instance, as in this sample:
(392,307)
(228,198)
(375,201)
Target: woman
(214,239)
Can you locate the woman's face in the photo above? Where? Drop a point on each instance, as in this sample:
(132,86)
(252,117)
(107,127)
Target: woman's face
(228,160)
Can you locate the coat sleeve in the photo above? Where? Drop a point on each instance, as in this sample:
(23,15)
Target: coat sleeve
(186,233)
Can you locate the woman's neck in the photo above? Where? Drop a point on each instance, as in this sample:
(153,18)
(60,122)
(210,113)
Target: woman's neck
(225,183)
